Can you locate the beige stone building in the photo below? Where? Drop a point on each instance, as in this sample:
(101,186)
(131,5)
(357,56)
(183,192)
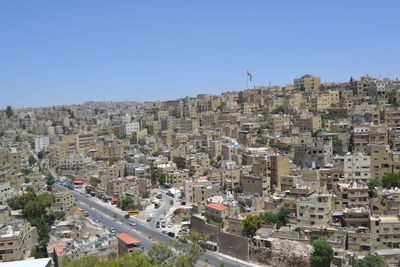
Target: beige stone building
(64,200)
(307,83)
(381,160)
(314,210)
(256,184)
(216,212)
(177,178)
(357,167)
(16,241)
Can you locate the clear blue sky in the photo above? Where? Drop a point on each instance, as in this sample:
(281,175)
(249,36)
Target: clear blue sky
(66,52)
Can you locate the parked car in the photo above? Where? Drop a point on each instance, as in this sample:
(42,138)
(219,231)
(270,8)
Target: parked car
(164,232)
(127,216)
(163,224)
(158,224)
(149,219)
(171,234)
(171,202)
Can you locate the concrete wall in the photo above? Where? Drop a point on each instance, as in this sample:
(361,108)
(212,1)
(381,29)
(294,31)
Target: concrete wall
(199,225)
(233,245)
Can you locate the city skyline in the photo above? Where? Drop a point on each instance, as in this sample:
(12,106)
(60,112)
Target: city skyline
(69,53)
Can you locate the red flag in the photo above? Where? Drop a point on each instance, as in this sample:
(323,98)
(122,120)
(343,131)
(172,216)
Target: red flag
(250,75)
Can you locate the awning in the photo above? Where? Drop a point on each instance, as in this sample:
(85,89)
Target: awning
(114,199)
(78,181)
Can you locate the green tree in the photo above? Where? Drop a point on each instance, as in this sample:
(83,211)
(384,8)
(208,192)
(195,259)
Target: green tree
(161,179)
(269,217)
(17,138)
(337,147)
(371,186)
(282,217)
(31,160)
(160,253)
(26,171)
(40,154)
(322,255)
(277,110)
(43,230)
(251,224)
(128,204)
(19,202)
(371,261)
(9,112)
(391,180)
(50,181)
(391,96)
(38,253)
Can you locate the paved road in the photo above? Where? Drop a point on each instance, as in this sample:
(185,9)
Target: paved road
(143,231)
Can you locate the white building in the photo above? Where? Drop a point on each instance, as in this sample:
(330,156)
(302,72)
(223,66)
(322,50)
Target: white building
(41,142)
(357,167)
(131,127)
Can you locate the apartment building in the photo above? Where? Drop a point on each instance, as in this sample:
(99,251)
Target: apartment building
(198,190)
(216,212)
(276,122)
(385,232)
(314,210)
(64,200)
(17,239)
(177,178)
(314,153)
(391,117)
(381,160)
(256,184)
(357,167)
(131,127)
(307,83)
(362,136)
(356,217)
(41,142)
(116,186)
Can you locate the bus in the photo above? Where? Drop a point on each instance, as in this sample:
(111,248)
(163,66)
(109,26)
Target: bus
(133,212)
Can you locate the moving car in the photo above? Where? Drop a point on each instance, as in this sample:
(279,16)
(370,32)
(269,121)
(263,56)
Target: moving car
(132,223)
(149,219)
